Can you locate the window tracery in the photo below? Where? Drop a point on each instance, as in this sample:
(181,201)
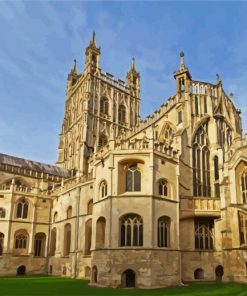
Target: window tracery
(242,228)
(163,190)
(21,241)
(131,226)
(133,178)
(244,186)
(122,114)
(104,106)
(164,231)
(201,165)
(204,233)
(22,209)
(103,188)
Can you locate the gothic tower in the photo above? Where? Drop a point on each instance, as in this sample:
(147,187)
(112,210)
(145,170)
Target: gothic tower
(98,107)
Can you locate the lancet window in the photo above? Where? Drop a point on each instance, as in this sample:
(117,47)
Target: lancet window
(163,187)
(242,228)
(164,231)
(244,186)
(22,209)
(133,178)
(201,166)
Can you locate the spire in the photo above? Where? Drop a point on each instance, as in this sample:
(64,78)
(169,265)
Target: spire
(74,67)
(93,41)
(133,65)
(182,66)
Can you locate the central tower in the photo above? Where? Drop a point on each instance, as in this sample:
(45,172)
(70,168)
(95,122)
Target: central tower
(98,107)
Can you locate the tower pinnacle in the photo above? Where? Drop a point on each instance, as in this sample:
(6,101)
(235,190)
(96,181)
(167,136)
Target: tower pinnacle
(182,65)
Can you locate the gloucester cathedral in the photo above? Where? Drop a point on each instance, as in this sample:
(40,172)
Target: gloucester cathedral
(132,202)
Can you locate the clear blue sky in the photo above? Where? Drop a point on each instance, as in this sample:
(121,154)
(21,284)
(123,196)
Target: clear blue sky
(39,40)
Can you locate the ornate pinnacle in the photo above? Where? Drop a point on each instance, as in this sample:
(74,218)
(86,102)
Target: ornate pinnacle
(182,66)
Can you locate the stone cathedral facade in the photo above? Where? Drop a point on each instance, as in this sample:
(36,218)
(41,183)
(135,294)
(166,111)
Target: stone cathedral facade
(130,202)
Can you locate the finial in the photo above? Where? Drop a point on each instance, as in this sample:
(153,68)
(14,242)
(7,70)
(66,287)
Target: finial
(94,38)
(217,77)
(133,65)
(182,66)
(74,67)
(231,95)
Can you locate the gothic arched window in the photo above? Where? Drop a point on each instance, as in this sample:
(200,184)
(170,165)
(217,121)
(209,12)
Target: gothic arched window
(242,228)
(104,106)
(131,228)
(39,245)
(1,243)
(204,233)
(69,212)
(103,189)
(216,177)
(90,207)
(21,240)
(122,114)
(22,209)
(164,231)
(2,213)
(163,187)
(67,239)
(201,166)
(133,178)
(244,186)
(102,140)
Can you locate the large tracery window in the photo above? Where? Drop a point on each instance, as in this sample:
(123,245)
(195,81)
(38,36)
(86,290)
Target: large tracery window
(104,106)
(131,228)
(164,231)
(242,228)
(244,186)
(122,114)
(201,167)
(133,178)
(224,134)
(22,209)
(21,241)
(204,233)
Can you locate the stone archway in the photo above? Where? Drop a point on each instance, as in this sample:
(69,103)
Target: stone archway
(21,270)
(129,279)
(219,272)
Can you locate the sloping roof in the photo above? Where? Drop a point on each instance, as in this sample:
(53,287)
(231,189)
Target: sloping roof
(34,165)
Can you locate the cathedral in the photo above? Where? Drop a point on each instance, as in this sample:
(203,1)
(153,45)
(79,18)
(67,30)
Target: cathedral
(132,202)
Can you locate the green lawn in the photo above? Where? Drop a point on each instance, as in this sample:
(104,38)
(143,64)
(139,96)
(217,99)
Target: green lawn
(57,286)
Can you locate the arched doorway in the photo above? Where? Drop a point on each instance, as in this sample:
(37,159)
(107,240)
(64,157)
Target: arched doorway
(199,274)
(21,270)
(219,272)
(128,278)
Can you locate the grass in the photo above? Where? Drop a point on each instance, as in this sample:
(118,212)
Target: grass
(57,286)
